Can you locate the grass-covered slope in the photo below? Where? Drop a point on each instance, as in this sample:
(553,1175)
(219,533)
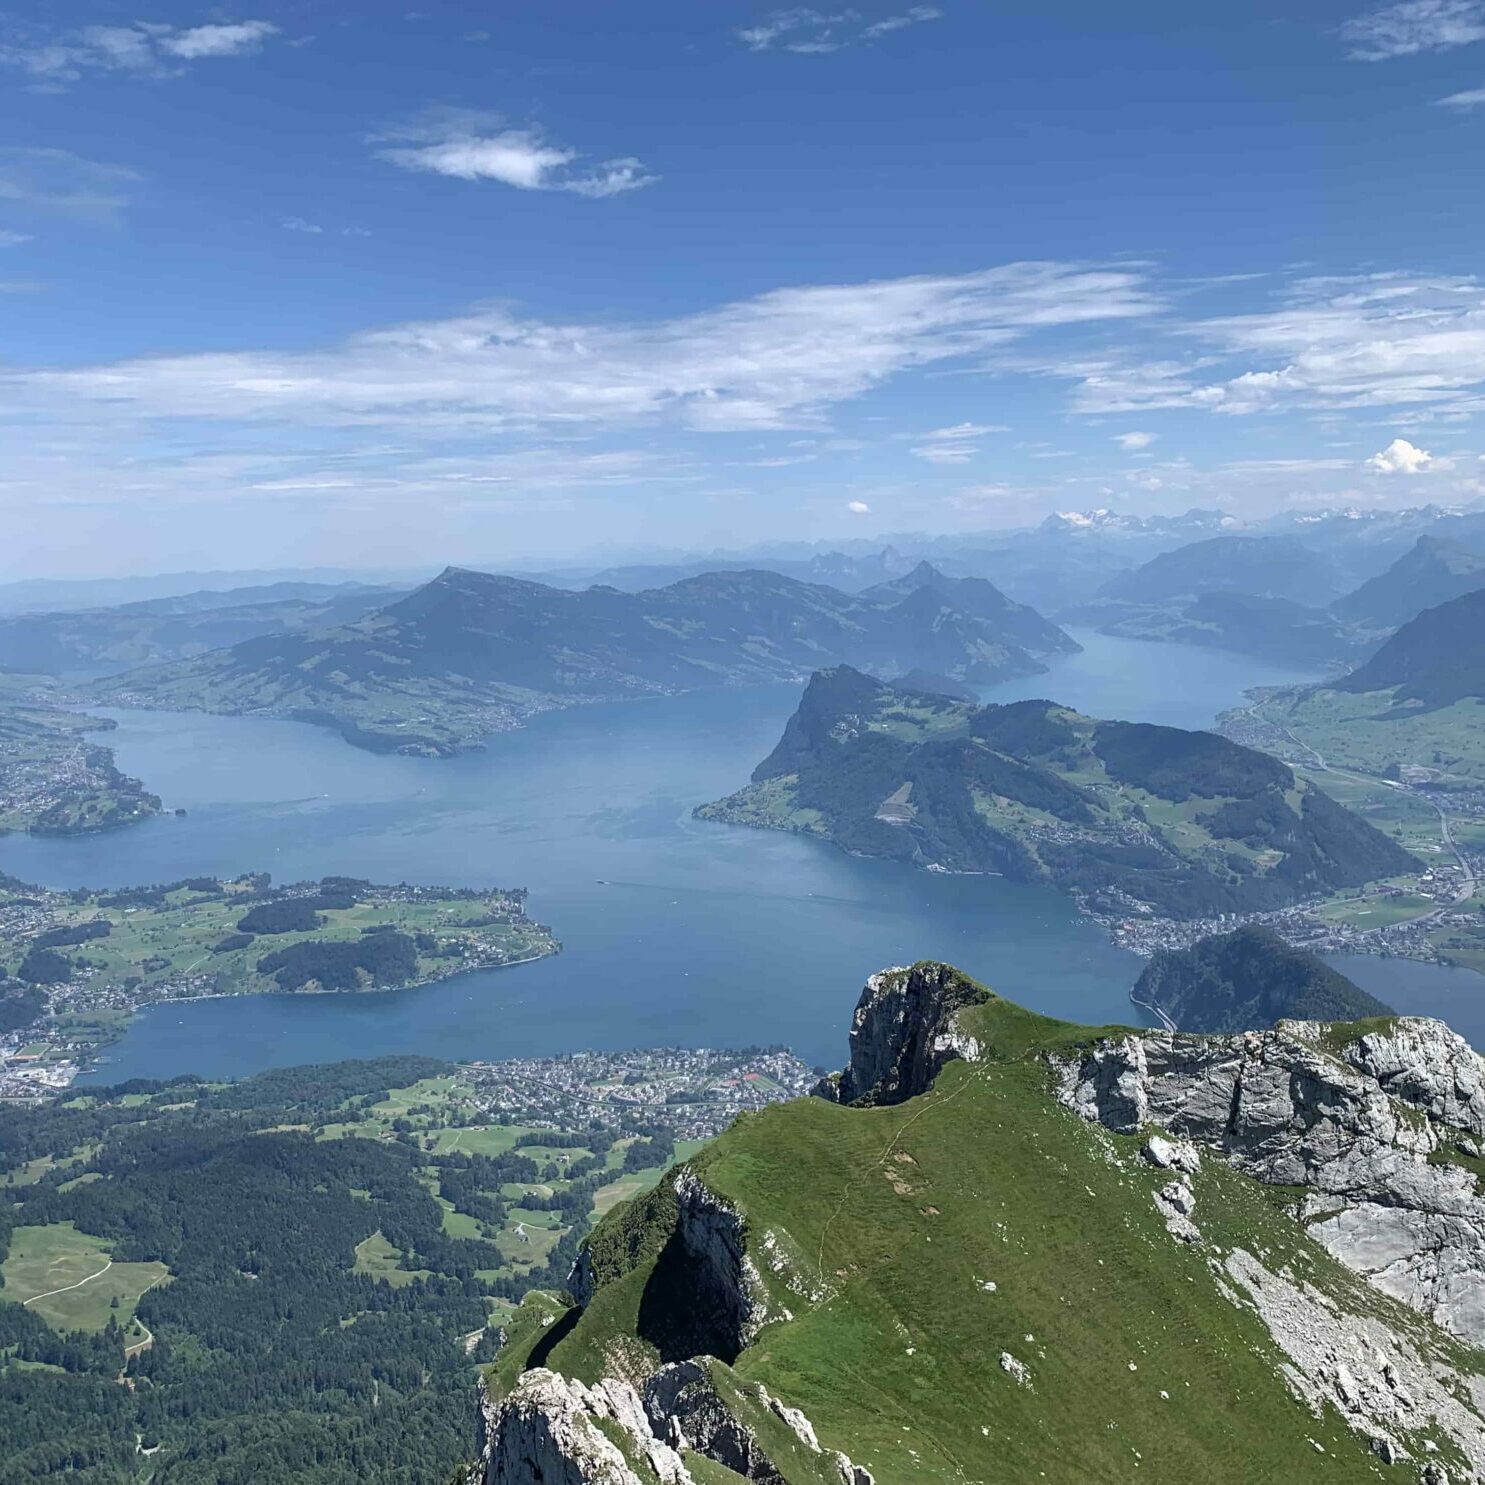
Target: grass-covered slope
(1185,823)
(1249,979)
(976,1285)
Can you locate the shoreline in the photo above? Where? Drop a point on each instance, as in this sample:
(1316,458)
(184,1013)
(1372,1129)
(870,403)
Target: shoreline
(94,1061)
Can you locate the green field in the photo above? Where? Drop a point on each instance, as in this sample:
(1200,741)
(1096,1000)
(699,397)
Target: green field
(180,936)
(69,1279)
(380,1259)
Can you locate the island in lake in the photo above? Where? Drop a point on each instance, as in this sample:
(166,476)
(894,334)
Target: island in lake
(74,966)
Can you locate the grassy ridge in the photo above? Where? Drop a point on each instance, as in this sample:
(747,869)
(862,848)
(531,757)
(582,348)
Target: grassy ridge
(977,1219)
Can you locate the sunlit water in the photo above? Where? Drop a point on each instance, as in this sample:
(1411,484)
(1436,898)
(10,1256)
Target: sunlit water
(674,930)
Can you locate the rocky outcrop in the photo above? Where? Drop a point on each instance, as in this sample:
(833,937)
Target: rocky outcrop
(903,1033)
(685,1408)
(551,1430)
(547,1431)
(1401,1398)
(726,1296)
(1355,1125)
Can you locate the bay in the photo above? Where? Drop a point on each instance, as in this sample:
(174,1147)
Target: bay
(674,930)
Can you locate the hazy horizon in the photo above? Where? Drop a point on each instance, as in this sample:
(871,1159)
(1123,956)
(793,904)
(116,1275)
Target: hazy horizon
(385,293)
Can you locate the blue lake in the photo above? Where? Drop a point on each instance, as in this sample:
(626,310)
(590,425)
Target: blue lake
(674,931)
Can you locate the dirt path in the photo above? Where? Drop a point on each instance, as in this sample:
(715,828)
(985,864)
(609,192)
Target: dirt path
(66,1287)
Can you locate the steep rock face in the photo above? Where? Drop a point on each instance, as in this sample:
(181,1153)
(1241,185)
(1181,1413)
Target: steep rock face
(551,1430)
(685,1408)
(1354,1127)
(547,1432)
(903,1033)
(728,1298)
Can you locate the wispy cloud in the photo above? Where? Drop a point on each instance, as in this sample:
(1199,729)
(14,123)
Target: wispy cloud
(960,431)
(952,445)
(59,183)
(817,32)
(13,239)
(298,224)
(474,146)
(1378,340)
(57,57)
(1413,26)
(1472,98)
(1134,441)
(215,40)
(776,361)
(945,453)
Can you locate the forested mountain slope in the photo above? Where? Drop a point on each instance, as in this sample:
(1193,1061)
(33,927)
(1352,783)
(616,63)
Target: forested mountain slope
(1184,823)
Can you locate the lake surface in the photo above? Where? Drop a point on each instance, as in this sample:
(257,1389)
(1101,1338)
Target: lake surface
(674,930)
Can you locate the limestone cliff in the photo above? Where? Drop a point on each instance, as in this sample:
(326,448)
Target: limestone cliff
(1367,1127)
(903,1033)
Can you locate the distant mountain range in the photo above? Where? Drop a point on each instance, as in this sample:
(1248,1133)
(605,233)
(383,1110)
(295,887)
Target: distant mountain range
(175,628)
(1136,817)
(1261,566)
(1255,595)
(471,653)
(1413,713)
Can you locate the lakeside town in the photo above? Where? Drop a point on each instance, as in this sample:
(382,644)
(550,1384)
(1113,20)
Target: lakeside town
(1437,918)
(692,1093)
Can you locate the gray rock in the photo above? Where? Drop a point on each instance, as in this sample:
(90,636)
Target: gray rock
(903,1034)
(685,1407)
(1355,1127)
(546,1433)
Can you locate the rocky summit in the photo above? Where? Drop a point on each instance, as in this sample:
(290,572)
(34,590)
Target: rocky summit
(998,1247)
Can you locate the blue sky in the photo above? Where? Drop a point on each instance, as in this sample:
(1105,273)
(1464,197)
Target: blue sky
(310,283)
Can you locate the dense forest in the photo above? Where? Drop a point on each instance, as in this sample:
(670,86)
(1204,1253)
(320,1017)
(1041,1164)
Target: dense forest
(273,1359)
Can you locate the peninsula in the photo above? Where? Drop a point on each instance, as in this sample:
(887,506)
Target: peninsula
(74,966)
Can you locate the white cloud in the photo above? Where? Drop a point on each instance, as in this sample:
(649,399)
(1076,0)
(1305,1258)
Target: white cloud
(946,453)
(1400,457)
(1473,98)
(13,239)
(472,146)
(298,224)
(54,58)
(858,507)
(810,32)
(1134,441)
(1413,26)
(57,182)
(776,361)
(216,41)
